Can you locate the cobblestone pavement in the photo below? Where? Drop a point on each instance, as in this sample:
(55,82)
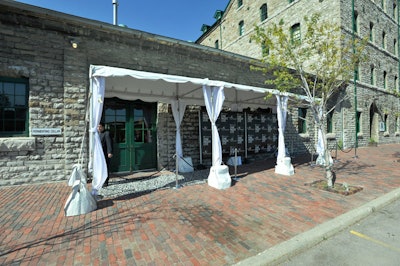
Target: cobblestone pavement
(192,225)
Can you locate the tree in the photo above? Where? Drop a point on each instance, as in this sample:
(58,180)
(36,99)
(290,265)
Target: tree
(317,62)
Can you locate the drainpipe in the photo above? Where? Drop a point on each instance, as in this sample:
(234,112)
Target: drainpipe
(355,81)
(220,31)
(115,15)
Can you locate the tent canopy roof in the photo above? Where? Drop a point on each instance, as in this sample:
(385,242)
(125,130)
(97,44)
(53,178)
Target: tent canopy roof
(147,86)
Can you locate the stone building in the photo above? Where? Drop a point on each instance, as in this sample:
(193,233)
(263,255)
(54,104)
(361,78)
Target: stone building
(45,62)
(375,112)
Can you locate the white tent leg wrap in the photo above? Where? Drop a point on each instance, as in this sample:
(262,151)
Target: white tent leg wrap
(219,177)
(284,166)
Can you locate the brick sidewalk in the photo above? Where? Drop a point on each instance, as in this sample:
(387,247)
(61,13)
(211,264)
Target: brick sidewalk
(194,225)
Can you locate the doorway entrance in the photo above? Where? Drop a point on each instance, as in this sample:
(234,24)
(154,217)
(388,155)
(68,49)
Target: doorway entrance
(132,125)
(374,122)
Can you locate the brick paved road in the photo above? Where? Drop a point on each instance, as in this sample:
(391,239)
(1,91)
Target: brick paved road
(194,225)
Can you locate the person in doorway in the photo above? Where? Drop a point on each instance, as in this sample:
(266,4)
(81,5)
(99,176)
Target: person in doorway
(106,144)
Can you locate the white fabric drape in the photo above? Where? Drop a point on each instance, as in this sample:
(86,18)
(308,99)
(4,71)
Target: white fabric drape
(98,161)
(320,144)
(281,113)
(214,98)
(178,111)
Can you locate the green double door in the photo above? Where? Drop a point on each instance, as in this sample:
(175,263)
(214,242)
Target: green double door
(132,125)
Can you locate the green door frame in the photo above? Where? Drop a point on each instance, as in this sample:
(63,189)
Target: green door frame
(132,125)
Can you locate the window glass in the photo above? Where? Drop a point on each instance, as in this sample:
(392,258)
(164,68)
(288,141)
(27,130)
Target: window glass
(264,12)
(241,28)
(295,34)
(358,122)
(302,125)
(13,107)
(329,123)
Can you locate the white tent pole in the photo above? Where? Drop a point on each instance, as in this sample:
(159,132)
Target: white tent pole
(200,139)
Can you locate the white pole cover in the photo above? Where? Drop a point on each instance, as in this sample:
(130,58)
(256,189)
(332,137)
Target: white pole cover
(98,160)
(281,113)
(214,98)
(178,111)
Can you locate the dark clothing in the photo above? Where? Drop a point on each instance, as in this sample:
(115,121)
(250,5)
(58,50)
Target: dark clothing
(106,144)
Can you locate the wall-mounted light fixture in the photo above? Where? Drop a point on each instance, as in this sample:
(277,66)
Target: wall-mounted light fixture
(74,43)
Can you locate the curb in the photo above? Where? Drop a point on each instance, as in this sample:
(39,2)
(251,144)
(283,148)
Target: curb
(285,250)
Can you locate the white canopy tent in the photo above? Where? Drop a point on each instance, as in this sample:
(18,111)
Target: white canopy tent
(129,84)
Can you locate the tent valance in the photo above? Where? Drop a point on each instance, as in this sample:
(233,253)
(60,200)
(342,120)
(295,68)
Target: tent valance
(130,84)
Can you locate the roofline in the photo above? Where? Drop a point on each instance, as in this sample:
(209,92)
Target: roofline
(52,14)
(216,23)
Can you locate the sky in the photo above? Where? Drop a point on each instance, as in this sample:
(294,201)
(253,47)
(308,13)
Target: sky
(178,19)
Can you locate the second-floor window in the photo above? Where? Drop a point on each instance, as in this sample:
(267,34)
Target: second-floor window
(295,34)
(264,12)
(371,32)
(384,40)
(372,76)
(241,28)
(240,3)
(355,22)
(384,79)
(216,44)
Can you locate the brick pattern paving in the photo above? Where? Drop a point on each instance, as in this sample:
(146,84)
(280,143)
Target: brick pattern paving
(193,225)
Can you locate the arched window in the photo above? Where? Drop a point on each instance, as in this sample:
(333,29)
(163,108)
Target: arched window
(263,12)
(372,77)
(241,28)
(384,79)
(295,34)
(384,40)
(355,22)
(371,32)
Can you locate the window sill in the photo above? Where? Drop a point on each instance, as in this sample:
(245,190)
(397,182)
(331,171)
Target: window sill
(17,144)
(330,136)
(304,135)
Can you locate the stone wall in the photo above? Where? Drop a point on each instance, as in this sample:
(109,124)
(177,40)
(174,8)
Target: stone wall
(36,44)
(382,59)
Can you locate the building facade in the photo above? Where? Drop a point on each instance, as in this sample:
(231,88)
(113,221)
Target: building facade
(373,113)
(45,57)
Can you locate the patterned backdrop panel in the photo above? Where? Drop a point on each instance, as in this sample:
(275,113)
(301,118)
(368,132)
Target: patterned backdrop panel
(262,132)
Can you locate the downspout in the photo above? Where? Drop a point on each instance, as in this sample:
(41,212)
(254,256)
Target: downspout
(220,30)
(355,81)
